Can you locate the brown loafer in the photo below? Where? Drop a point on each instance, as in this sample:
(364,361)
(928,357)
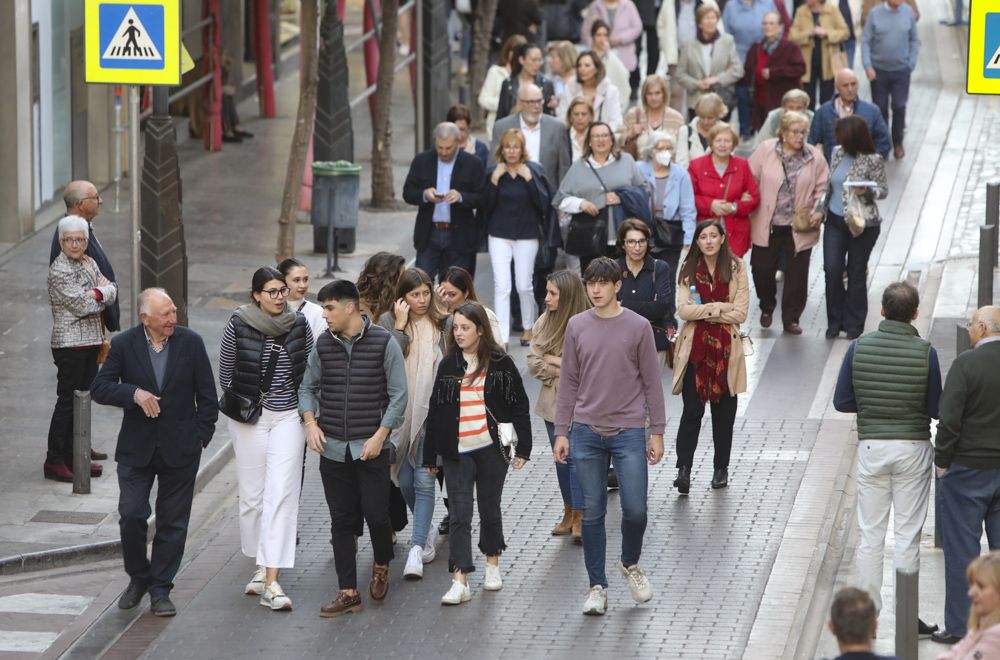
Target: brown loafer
(765,319)
(899,152)
(98,455)
(793,329)
(342,604)
(379,586)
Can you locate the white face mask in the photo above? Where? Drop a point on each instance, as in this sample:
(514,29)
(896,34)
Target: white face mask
(664,157)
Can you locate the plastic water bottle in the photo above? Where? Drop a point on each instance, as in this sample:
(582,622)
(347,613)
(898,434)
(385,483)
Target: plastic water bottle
(695,297)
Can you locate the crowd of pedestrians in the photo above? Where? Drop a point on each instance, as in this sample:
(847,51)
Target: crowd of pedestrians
(405,375)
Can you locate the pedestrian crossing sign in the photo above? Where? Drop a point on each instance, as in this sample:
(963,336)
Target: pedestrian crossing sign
(984,48)
(133,42)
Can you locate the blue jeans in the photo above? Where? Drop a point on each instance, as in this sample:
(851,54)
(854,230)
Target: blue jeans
(418,490)
(593,454)
(569,484)
(965,498)
(846,309)
(743,109)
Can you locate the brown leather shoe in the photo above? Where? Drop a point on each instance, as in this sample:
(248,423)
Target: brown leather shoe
(793,329)
(98,455)
(899,152)
(342,604)
(765,319)
(379,586)
(565,525)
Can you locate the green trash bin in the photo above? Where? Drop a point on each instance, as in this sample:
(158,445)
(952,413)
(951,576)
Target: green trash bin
(335,201)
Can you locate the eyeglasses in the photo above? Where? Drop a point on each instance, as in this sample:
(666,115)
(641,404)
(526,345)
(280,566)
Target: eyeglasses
(600,136)
(277,293)
(96,198)
(636,242)
(72,240)
(970,323)
(531,101)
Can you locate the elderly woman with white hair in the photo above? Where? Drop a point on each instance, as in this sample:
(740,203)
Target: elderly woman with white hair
(78,293)
(672,196)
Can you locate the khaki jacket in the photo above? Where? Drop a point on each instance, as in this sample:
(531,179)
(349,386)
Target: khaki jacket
(548,375)
(837,32)
(733,313)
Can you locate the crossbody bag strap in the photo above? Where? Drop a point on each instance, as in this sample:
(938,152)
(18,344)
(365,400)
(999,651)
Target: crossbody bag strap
(277,345)
(599,179)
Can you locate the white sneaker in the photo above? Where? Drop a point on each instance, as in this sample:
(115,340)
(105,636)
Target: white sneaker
(274,597)
(458,594)
(414,564)
(255,586)
(597,601)
(430,551)
(638,583)
(493,582)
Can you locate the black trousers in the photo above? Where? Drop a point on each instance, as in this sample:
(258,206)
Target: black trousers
(820,91)
(672,256)
(764,263)
(483,470)
(174,494)
(75,370)
(723,419)
(344,484)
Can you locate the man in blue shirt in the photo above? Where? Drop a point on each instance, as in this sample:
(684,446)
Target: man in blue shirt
(889,50)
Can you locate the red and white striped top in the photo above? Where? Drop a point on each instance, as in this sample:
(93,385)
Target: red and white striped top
(473,432)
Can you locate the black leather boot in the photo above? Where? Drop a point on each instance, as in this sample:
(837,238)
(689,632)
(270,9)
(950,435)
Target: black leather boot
(720,478)
(683,481)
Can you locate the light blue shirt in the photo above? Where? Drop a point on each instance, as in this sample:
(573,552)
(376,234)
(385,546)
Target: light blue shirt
(746,22)
(442,210)
(837,178)
(678,200)
(890,41)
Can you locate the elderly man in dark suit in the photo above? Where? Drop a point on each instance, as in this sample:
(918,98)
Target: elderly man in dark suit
(547,142)
(445,183)
(160,374)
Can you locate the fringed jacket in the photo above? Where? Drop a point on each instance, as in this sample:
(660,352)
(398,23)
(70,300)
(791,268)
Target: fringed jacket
(506,401)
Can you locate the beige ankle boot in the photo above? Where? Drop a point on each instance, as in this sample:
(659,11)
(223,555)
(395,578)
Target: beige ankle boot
(565,526)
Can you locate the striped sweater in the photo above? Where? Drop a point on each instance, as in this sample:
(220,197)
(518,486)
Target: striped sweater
(473,431)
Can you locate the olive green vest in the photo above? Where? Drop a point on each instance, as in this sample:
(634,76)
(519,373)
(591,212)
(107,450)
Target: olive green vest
(890,383)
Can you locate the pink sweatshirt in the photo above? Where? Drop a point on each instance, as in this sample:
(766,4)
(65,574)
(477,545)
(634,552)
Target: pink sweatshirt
(984,644)
(610,374)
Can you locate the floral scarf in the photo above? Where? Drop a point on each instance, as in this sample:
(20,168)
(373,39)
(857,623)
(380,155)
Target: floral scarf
(712,341)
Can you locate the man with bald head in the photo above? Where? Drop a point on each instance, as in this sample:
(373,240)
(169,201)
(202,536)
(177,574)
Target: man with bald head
(967,456)
(846,102)
(159,373)
(81,199)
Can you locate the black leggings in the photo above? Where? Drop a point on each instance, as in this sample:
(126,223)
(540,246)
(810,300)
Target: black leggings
(723,419)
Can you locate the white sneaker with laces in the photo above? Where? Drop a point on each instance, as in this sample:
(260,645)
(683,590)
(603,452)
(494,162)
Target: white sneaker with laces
(638,583)
(458,594)
(414,569)
(255,586)
(274,597)
(493,582)
(430,551)
(597,601)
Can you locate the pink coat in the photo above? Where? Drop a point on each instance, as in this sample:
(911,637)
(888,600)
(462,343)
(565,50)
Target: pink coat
(983,644)
(627,29)
(765,164)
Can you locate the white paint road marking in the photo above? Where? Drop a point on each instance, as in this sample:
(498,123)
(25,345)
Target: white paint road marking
(45,604)
(17,641)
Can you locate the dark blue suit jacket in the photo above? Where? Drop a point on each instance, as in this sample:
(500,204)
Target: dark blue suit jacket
(467,178)
(112,313)
(188,404)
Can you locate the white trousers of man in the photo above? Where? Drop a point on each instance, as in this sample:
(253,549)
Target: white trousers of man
(269,475)
(892,474)
(523,252)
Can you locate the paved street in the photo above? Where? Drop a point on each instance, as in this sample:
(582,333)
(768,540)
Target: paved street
(744,572)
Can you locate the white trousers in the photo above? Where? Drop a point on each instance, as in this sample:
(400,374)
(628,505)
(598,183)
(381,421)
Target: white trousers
(269,474)
(892,474)
(502,251)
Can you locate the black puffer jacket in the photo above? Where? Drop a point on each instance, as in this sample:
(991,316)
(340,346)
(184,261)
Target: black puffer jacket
(250,349)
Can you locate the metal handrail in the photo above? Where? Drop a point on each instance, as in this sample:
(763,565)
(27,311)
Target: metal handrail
(374,88)
(197,26)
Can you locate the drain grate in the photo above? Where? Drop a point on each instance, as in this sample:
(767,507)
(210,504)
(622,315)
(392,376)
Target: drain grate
(69,517)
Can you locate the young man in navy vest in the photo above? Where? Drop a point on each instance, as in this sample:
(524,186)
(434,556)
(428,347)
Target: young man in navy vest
(892,380)
(358,369)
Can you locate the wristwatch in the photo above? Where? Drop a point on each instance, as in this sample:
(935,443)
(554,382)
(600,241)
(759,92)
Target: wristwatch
(733,207)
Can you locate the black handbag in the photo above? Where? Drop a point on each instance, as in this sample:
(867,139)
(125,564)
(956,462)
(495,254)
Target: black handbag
(667,234)
(588,234)
(243,409)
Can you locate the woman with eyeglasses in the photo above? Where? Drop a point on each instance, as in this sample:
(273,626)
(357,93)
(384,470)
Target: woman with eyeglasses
(78,294)
(262,358)
(791,177)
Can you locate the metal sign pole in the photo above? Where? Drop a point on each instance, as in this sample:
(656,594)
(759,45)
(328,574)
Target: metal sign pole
(134,169)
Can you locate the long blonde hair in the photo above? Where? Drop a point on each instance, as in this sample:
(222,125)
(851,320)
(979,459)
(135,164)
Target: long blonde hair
(985,569)
(572,300)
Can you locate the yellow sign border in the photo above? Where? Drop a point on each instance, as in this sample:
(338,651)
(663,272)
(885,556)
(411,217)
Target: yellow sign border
(170,74)
(976,82)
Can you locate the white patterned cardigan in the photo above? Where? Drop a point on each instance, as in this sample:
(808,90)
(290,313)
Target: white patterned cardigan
(76,315)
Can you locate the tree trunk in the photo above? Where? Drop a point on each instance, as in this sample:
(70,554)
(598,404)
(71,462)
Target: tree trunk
(383,189)
(482,30)
(309,52)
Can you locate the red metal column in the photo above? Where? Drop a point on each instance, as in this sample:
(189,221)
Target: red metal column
(213,65)
(263,57)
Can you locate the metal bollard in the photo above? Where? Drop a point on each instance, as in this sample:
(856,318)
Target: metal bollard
(993,216)
(81,442)
(987,256)
(907,588)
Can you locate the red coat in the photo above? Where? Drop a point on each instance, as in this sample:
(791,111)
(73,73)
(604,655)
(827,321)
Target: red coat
(709,186)
(786,68)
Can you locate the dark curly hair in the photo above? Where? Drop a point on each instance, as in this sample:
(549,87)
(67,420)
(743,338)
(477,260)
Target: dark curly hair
(377,282)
